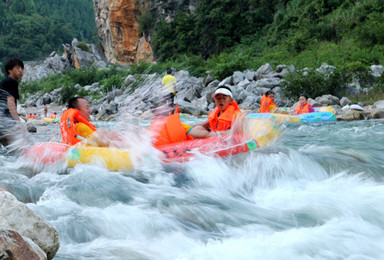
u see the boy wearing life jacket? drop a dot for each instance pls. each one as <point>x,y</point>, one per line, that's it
<point>267,104</point>
<point>303,107</point>
<point>75,124</point>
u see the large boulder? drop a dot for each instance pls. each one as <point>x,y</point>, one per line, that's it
<point>17,216</point>
<point>237,76</point>
<point>379,104</point>
<point>351,115</point>
<point>345,101</point>
<point>377,113</point>
<point>268,83</point>
<point>189,108</point>
<point>264,71</point>
<point>327,100</point>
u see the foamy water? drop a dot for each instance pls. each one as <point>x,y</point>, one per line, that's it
<point>317,193</point>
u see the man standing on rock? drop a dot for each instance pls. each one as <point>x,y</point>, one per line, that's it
<point>9,94</point>
<point>169,83</point>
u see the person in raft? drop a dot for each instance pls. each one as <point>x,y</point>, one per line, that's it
<point>303,107</point>
<point>75,124</point>
<point>170,129</point>
<point>54,115</point>
<point>267,104</point>
<point>222,117</point>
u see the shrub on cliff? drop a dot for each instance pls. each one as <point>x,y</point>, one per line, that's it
<point>313,83</point>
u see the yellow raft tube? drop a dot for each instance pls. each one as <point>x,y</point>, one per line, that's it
<point>260,130</point>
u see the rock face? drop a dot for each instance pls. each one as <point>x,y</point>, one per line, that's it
<point>73,57</point>
<point>118,29</point>
<point>17,216</point>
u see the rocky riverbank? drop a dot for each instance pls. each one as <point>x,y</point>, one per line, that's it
<point>194,94</point>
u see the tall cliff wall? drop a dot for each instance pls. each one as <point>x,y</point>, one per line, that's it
<point>117,26</point>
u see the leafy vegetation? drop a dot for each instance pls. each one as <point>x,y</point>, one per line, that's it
<point>247,33</point>
<point>314,83</point>
<point>31,29</point>
<point>108,79</point>
<point>222,36</point>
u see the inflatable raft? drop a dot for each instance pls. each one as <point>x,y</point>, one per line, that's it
<point>323,114</point>
<point>257,133</point>
<point>51,120</point>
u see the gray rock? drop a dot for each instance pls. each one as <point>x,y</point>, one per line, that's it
<point>243,96</point>
<point>327,100</point>
<point>31,129</point>
<point>351,115</point>
<point>189,108</point>
<point>182,75</point>
<point>243,84</point>
<point>377,113</point>
<point>226,81</point>
<point>268,83</point>
<point>377,70</point>
<point>208,79</point>
<point>237,77</point>
<point>326,69</point>
<point>379,104</point>
<point>345,101</point>
<point>353,89</point>
<point>201,102</point>
<point>250,75</point>
<point>264,70</point>
<point>13,213</point>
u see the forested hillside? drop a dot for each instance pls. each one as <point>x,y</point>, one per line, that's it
<point>240,34</point>
<point>31,29</point>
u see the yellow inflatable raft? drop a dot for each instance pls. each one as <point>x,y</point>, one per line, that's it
<point>257,133</point>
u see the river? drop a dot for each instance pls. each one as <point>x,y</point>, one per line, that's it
<point>317,193</point>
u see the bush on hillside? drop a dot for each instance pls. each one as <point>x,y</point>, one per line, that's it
<point>83,46</point>
<point>313,83</point>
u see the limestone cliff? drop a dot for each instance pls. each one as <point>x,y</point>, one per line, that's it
<point>117,26</point>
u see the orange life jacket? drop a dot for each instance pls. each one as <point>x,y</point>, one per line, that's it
<point>29,116</point>
<point>53,116</point>
<point>224,121</point>
<point>302,109</point>
<point>265,103</point>
<point>168,130</point>
<point>68,120</point>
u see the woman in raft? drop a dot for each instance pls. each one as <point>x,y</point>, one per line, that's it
<point>220,120</point>
<point>267,104</point>
<point>303,107</point>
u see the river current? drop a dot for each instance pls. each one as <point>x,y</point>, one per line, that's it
<point>316,193</point>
